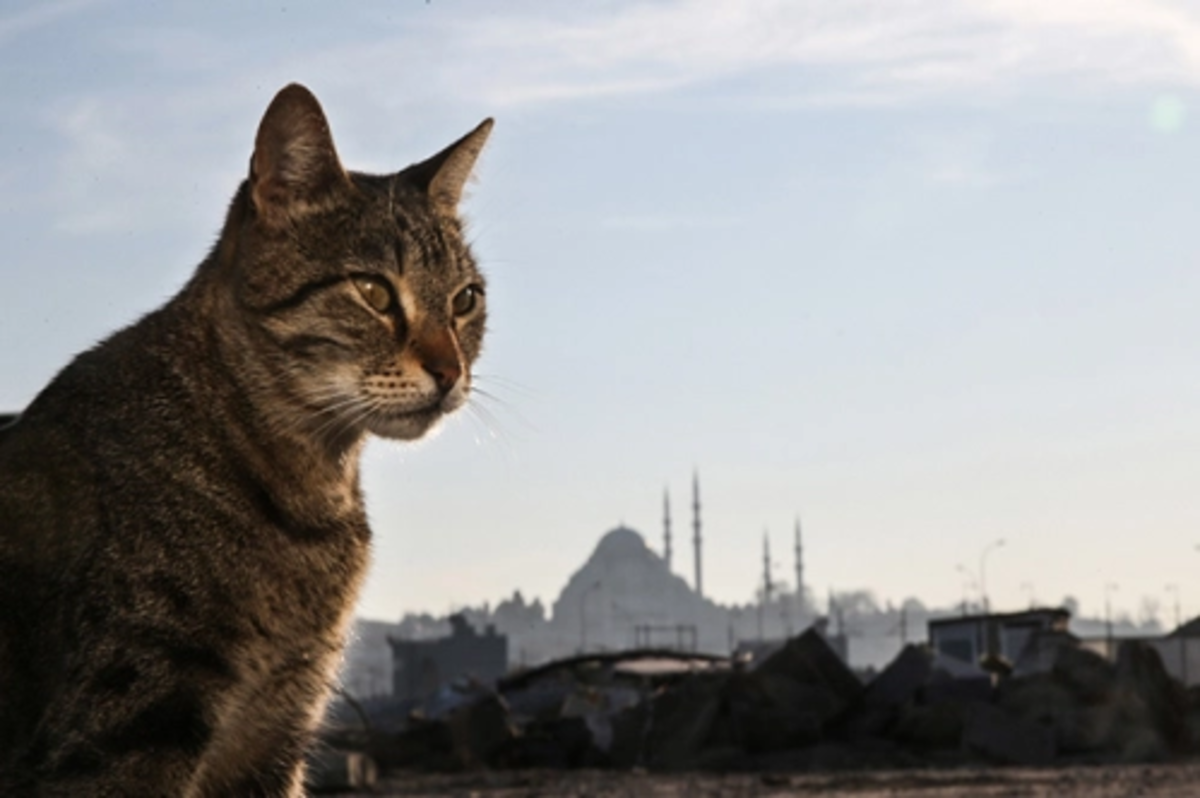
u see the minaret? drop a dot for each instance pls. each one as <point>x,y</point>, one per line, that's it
<point>667,528</point>
<point>799,568</point>
<point>696,528</point>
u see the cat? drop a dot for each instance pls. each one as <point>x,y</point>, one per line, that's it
<point>182,533</point>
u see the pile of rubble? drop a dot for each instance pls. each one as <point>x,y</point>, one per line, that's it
<point>800,708</point>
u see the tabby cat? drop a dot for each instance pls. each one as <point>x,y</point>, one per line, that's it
<point>182,534</point>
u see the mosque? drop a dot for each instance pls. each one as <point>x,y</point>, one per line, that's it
<point>627,596</point>
<point>624,596</point>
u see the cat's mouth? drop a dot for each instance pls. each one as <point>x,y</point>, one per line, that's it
<point>414,422</point>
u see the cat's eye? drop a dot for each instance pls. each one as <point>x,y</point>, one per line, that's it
<point>375,292</point>
<point>466,300</point>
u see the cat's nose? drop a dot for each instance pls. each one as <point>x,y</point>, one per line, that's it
<point>438,354</point>
<point>444,372</point>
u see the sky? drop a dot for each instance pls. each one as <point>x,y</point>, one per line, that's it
<point>922,273</point>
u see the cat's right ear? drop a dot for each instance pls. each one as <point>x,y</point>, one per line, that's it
<point>295,167</point>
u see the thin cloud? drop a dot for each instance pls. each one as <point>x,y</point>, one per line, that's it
<point>914,47</point>
<point>799,52</point>
<point>665,222</point>
<point>39,16</point>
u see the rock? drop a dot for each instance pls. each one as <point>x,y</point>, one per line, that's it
<point>808,659</point>
<point>425,744</point>
<point>597,706</point>
<point>902,680</point>
<point>479,731</point>
<point>1006,738</point>
<point>470,736</point>
<point>930,727</point>
<point>1089,676</point>
<point>557,744</point>
<point>770,712</point>
<point>1140,670</point>
<point>680,722</point>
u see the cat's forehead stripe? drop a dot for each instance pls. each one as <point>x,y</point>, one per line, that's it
<point>408,303</point>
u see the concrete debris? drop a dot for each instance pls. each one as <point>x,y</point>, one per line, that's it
<point>1005,738</point>
<point>330,770</point>
<point>800,708</point>
<point>1141,675</point>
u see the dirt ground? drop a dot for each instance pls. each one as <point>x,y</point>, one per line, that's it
<point>1176,781</point>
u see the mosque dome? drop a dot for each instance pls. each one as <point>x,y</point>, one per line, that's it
<point>622,543</point>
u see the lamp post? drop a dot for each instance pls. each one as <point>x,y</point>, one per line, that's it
<point>1173,589</point>
<point>988,549</point>
<point>1109,588</point>
<point>583,615</point>
<point>968,582</point>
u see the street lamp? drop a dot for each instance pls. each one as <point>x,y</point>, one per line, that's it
<point>968,583</point>
<point>1173,589</point>
<point>1109,588</point>
<point>988,549</point>
<point>583,615</point>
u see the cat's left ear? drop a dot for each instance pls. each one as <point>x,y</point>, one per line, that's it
<point>295,167</point>
<point>444,176</point>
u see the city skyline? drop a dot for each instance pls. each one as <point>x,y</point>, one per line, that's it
<point>765,586</point>
<point>923,274</point>
<point>624,595</point>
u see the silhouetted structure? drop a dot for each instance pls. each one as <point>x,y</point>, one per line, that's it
<point>677,637</point>
<point>972,637</point>
<point>420,667</point>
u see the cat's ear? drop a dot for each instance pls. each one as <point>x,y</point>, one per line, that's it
<point>444,176</point>
<point>295,166</point>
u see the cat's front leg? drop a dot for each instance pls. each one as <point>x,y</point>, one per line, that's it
<point>150,749</point>
<point>276,772</point>
<point>266,731</point>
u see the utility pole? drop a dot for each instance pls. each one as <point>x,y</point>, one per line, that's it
<point>667,528</point>
<point>766,567</point>
<point>766,590</point>
<point>1109,587</point>
<point>1174,590</point>
<point>1183,641</point>
<point>696,529</point>
<point>995,544</point>
<point>799,569</point>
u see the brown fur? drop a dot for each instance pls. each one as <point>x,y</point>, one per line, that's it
<point>182,534</point>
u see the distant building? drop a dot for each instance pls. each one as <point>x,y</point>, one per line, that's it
<point>420,667</point>
<point>625,596</point>
<point>367,665</point>
<point>970,638</point>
